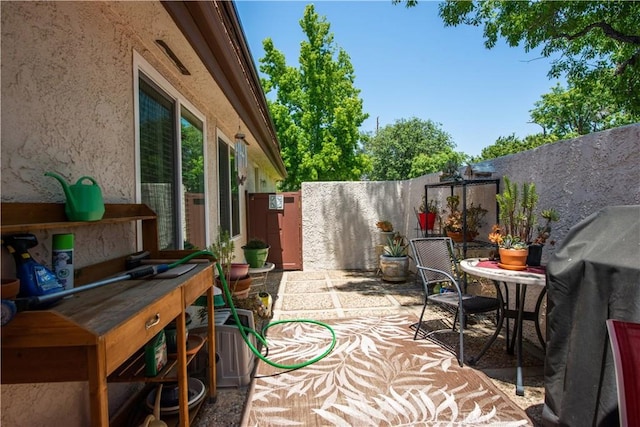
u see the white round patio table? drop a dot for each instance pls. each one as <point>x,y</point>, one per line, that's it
<point>535,276</point>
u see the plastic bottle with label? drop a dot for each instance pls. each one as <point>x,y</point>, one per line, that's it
<point>62,259</point>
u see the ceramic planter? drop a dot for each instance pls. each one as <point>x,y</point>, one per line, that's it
<point>384,236</point>
<point>238,270</point>
<point>394,269</point>
<point>427,220</point>
<point>256,257</point>
<point>239,287</point>
<point>513,259</point>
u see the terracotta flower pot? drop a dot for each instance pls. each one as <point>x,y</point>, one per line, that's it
<point>238,287</point>
<point>238,270</point>
<point>513,259</point>
<point>457,236</point>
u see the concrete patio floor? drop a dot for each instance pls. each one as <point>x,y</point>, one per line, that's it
<point>324,295</point>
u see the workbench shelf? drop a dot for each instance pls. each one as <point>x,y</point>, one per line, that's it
<point>133,370</point>
<point>97,335</point>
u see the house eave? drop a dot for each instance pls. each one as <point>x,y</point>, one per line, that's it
<point>214,32</point>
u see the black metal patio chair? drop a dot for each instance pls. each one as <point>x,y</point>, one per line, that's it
<point>437,264</point>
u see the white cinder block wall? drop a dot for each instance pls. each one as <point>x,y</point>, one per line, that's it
<point>577,177</point>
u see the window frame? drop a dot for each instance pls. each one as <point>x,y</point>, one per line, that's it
<point>223,139</point>
<point>141,66</point>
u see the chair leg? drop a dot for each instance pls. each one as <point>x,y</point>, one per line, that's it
<point>461,356</point>
<point>455,319</point>
<point>419,325</point>
<point>474,360</point>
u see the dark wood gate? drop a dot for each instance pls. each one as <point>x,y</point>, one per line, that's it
<point>277,219</point>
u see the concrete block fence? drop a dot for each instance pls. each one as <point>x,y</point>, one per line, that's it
<point>577,177</point>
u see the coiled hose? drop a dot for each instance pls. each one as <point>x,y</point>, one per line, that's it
<point>244,330</point>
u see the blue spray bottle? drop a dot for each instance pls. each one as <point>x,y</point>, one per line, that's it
<point>35,279</point>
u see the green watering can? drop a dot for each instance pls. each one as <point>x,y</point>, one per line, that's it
<point>84,201</point>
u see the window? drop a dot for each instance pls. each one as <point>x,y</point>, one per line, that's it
<point>229,189</point>
<point>172,165</point>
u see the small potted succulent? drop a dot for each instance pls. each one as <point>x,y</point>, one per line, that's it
<point>256,252</point>
<point>544,231</point>
<point>512,249</point>
<point>386,231</point>
<point>394,261</point>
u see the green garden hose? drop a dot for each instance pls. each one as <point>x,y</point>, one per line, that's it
<point>260,337</point>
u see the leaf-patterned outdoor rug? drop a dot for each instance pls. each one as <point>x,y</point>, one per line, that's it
<point>376,375</point>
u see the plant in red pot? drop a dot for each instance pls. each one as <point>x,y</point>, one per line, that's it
<point>427,214</point>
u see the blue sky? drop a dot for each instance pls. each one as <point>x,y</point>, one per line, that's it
<point>407,64</point>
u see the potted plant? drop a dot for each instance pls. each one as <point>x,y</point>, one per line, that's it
<point>256,252</point>
<point>454,224</point>
<point>517,218</point>
<point>427,214</point>
<point>386,231</point>
<point>394,261</point>
<point>544,231</point>
<point>517,208</point>
<point>236,274</point>
<point>513,251</point>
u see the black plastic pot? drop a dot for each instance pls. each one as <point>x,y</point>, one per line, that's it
<point>535,255</point>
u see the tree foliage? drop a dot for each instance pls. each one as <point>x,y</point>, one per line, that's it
<point>571,112</point>
<point>512,144</point>
<point>597,41</point>
<point>409,148</point>
<point>192,158</point>
<point>317,110</point>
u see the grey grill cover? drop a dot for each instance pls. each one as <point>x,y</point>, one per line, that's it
<point>593,276</point>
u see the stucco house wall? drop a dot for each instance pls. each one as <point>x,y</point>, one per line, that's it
<point>68,106</point>
<point>577,177</point>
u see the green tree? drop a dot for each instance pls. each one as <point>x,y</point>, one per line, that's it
<point>512,144</point>
<point>192,158</point>
<point>317,110</point>
<point>409,148</point>
<point>571,112</point>
<point>597,41</point>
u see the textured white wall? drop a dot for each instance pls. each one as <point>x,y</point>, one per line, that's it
<point>67,106</point>
<point>577,177</point>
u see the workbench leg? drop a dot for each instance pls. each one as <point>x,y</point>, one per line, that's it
<point>98,391</point>
<point>183,380</point>
<point>211,345</point>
